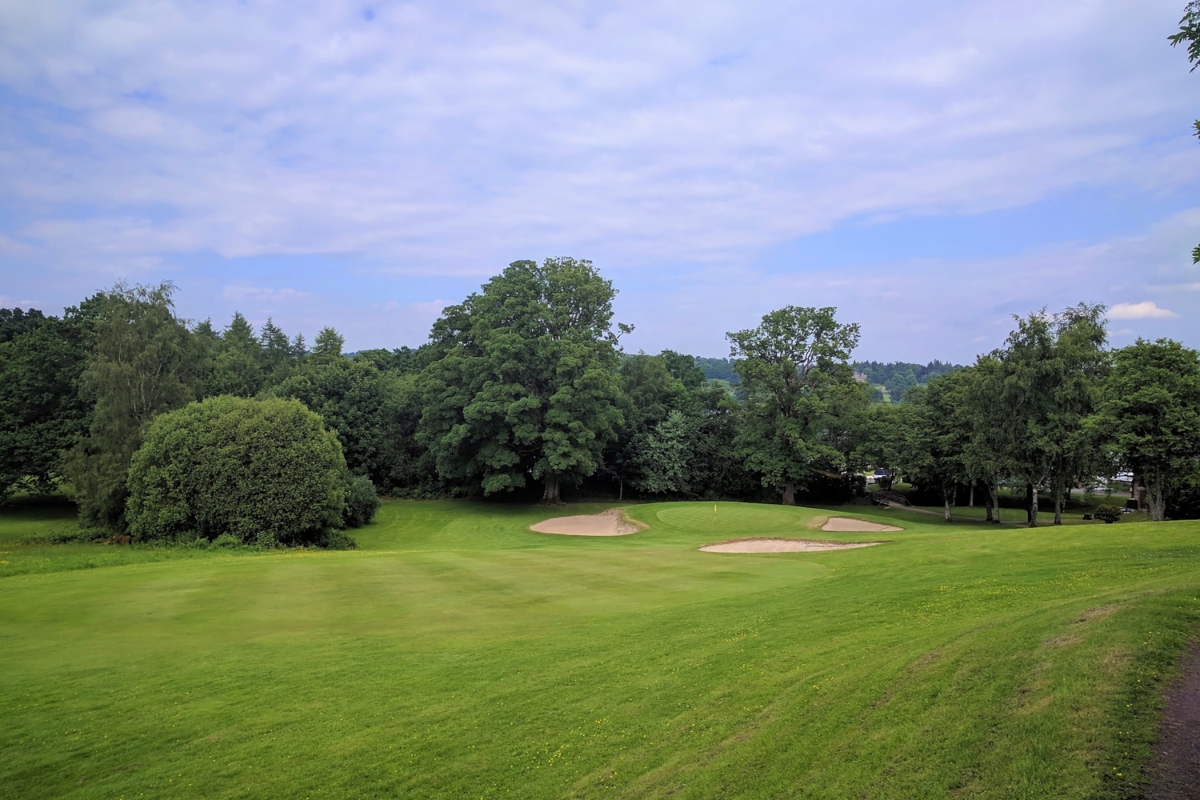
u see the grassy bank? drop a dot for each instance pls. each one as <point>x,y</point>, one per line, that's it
<point>458,654</point>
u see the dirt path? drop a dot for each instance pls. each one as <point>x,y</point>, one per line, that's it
<point>1175,772</point>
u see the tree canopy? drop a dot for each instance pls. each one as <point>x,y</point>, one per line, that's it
<point>790,365</point>
<point>263,471</point>
<point>524,385</point>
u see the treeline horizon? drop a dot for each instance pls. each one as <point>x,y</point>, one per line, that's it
<point>523,390</point>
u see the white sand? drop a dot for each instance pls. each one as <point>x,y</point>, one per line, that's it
<point>781,546</point>
<point>607,523</point>
<point>848,524</point>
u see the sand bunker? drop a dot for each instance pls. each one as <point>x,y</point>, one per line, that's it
<point>781,546</point>
<point>607,523</point>
<point>848,524</point>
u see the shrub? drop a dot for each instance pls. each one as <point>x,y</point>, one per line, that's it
<point>338,540</point>
<point>226,540</point>
<point>361,501</point>
<point>1109,514</point>
<point>263,472</point>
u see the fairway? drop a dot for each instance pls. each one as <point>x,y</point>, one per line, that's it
<point>459,654</point>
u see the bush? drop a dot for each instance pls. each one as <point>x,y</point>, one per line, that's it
<point>338,540</point>
<point>261,472</point>
<point>226,540</point>
<point>361,501</point>
<point>1109,514</point>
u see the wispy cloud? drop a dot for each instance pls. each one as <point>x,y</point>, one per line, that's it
<point>263,294</point>
<point>432,143</point>
<point>451,139</point>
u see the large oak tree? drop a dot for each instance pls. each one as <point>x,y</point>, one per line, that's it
<point>525,387</point>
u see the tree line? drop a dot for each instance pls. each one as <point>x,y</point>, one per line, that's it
<point>523,391</point>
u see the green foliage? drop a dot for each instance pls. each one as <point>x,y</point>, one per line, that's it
<point>900,376</point>
<point>361,501</point>
<point>328,347</point>
<point>1107,513</point>
<point>374,414</point>
<point>665,455</point>
<point>15,321</point>
<point>237,361</point>
<point>1189,33</point>
<point>524,383</point>
<point>42,414</point>
<point>266,472</point>
<point>793,366</point>
<point>684,368</point>
<point>144,361</point>
<point>935,433</point>
<point>719,369</point>
<point>227,541</point>
<point>1048,376</point>
<point>337,540</point>
<point>1150,415</point>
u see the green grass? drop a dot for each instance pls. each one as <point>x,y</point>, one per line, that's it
<point>457,654</point>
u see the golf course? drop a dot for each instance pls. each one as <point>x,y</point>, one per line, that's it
<point>457,653</point>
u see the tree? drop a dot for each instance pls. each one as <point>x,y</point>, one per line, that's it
<point>985,456</point>
<point>789,364</point>
<point>524,383</point>
<point>144,362</point>
<point>237,361</point>
<point>649,393</point>
<point>665,455</point>
<point>935,435</point>
<point>1150,415</point>
<point>15,321</point>
<point>369,410</point>
<point>328,347</point>
<point>41,413</point>
<point>1189,32</point>
<point>1048,376</point>
<point>684,368</point>
<point>264,471</point>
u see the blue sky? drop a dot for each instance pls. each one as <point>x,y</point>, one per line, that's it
<point>930,168</point>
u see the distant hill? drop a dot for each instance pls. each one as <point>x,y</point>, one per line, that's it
<point>718,369</point>
<point>898,377</point>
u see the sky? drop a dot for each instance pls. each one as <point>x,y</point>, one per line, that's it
<point>930,168</point>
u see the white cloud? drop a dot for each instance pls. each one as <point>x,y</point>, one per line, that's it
<point>1144,310</point>
<point>449,139</point>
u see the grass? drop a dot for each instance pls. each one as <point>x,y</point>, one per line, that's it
<point>457,654</point>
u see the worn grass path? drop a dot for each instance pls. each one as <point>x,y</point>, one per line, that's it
<point>457,654</point>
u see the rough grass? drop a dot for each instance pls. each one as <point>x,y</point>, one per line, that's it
<point>457,654</point>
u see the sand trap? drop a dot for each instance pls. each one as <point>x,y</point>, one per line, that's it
<point>781,546</point>
<point>606,523</point>
<point>848,524</point>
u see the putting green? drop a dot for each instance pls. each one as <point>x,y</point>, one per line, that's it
<point>458,654</point>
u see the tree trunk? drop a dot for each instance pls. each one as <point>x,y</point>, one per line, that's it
<point>971,502</point>
<point>994,491</point>
<point>1030,496</point>
<point>789,494</point>
<point>988,505</point>
<point>948,498</point>
<point>1157,496</point>
<point>551,493</point>
<point>621,493</point>
<point>1033,505</point>
<point>1058,502</point>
